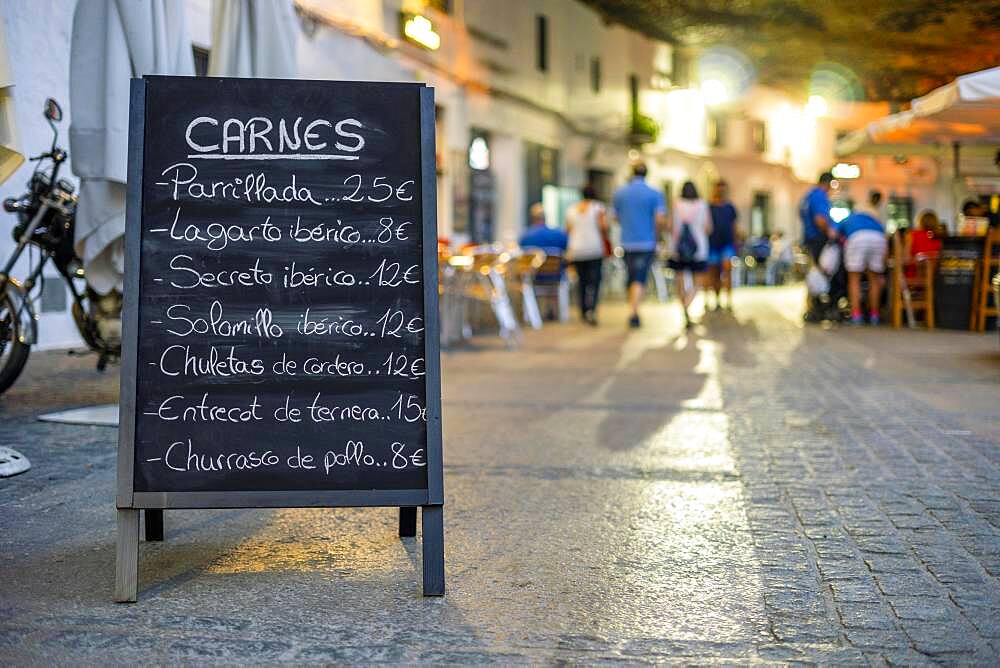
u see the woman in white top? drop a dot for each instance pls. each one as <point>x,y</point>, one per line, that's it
<point>586,225</point>
<point>690,225</point>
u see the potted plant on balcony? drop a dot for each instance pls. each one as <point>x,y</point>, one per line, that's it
<point>642,130</point>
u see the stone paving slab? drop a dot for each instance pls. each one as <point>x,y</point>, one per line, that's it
<point>750,492</point>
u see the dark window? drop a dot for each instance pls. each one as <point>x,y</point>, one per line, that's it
<point>595,74</point>
<point>633,93</point>
<point>541,169</point>
<point>760,215</point>
<point>200,61</point>
<point>716,130</point>
<point>542,42</point>
<point>758,136</point>
<point>603,183</point>
<point>443,6</point>
<point>680,69</point>
<point>898,212</point>
<point>482,188</point>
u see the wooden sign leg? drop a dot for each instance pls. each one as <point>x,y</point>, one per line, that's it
<point>127,556</point>
<point>407,521</point>
<point>154,524</point>
<point>433,543</point>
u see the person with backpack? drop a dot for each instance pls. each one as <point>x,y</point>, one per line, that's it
<point>690,226</point>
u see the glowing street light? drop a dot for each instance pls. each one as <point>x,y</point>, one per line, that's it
<point>817,106</point>
<point>420,30</point>
<point>724,74</point>
<point>714,92</point>
<point>846,170</point>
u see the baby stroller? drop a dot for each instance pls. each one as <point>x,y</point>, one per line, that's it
<point>827,286</point>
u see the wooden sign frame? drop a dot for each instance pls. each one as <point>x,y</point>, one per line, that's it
<point>129,502</point>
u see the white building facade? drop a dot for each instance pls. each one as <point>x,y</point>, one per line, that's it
<point>535,99</point>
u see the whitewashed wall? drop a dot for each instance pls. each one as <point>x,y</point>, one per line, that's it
<point>37,40</point>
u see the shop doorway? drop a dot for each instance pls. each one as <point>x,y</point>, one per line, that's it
<point>603,182</point>
<point>898,213</point>
<point>760,215</point>
<point>541,169</point>
<point>482,188</point>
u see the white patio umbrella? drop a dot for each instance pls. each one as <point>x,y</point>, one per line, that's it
<point>966,111</point>
<point>253,38</point>
<point>112,41</point>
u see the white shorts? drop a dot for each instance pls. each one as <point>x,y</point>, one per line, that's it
<point>865,251</point>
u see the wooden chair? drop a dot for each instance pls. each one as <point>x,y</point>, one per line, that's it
<point>522,279</point>
<point>988,267</point>
<point>551,282</point>
<point>911,295</point>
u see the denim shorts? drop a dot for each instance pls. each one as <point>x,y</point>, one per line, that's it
<point>716,256</point>
<point>637,263</point>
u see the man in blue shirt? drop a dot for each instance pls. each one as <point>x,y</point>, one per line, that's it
<point>721,243</point>
<point>864,251</point>
<point>539,235</point>
<point>641,211</point>
<point>550,239</point>
<point>814,211</point>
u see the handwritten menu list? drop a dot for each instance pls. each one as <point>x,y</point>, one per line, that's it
<point>281,336</point>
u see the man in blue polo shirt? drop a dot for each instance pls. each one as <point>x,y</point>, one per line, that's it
<point>641,211</point>
<point>814,211</point>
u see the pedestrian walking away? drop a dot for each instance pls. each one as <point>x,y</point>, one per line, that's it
<point>864,252</point>
<point>641,211</point>
<point>722,244</point>
<point>690,226</point>
<point>587,225</point>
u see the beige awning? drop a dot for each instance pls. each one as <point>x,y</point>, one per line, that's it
<point>967,111</point>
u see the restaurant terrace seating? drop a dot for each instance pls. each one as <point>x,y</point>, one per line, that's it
<point>914,295</point>
<point>990,265</point>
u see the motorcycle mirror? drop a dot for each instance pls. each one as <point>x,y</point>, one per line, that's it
<point>53,111</point>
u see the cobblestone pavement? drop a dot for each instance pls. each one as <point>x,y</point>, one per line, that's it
<point>754,491</point>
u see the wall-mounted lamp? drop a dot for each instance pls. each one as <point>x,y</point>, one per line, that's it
<point>846,170</point>
<point>420,30</point>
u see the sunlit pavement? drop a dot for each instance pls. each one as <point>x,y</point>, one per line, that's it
<point>754,490</point>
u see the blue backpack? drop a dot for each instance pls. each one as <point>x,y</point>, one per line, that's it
<point>687,245</point>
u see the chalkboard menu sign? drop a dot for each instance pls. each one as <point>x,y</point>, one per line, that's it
<point>280,341</point>
<point>955,282</point>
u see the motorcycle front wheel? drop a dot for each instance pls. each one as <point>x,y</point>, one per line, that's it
<point>13,351</point>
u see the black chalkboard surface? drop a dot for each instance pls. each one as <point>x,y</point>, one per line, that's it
<point>280,341</point>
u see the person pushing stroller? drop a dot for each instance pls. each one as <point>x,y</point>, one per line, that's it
<point>819,229</point>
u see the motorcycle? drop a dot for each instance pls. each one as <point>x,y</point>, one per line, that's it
<point>46,223</point>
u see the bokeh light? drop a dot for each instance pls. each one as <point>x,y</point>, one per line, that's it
<point>715,92</point>
<point>835,83</point>
<point>724,74</point>
<point>817,105</point>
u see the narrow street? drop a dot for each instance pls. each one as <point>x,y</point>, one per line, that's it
<point>755,490</point>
